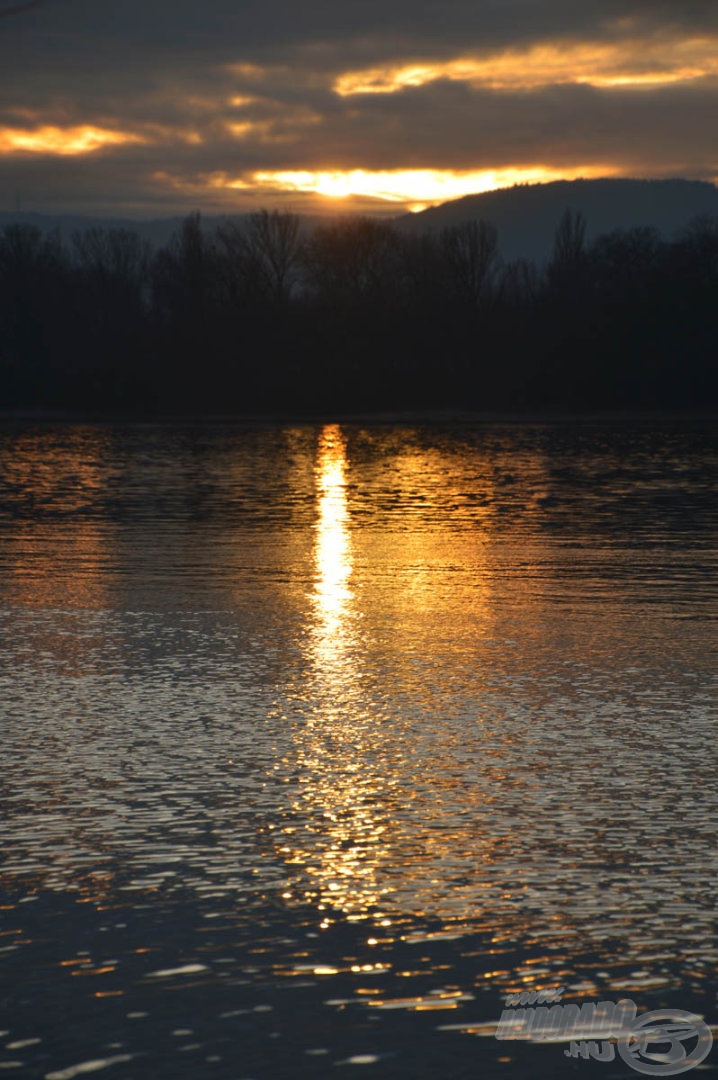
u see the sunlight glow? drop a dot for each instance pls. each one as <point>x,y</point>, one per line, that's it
<point>62,141</point>
<point>417,187</point>
<point>621,64</point>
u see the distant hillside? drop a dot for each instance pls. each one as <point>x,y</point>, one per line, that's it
<point>157,232</point>
<point>526,216</point>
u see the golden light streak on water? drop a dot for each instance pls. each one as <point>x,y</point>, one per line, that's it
<point>344,793</point>
<point>354,758</point>
<point>332,552</point>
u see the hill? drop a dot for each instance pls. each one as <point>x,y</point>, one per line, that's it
<point>526,216</point>
<point>156,232</point>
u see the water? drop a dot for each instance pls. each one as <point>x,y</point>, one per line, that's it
<point>319,740</point>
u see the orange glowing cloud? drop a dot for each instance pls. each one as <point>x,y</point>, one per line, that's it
<point>398,189</point>
<point>606,65</point>
<point>416,188</point>
<point>277,130</point>
<point>62,141</point>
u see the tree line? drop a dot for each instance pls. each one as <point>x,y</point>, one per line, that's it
<point>264,316</point>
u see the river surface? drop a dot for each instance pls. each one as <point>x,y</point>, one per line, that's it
<point>318,740</point>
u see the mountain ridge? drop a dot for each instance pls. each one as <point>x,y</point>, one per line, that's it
<point>526,215</point>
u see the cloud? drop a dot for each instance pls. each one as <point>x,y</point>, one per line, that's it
<point>628,63</point>
<point>229,102</point>
<point>17,9</point>
<point>49,141</point>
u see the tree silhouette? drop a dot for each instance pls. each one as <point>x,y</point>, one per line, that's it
<point>111,275</point>
<point>354,260</point>
<point>35,305</point>
<point>569,251</point>
<point>242,282</point>
<point>470,254</point>
<point>275,245</point>
<point>255,316</point>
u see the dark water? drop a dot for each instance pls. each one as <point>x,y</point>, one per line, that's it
<point>317,741</point>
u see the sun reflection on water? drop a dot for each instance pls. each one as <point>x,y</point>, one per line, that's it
<point>462,691</point>
<point>343,796</point>
<point>332,552</point>
<point>397,802</point>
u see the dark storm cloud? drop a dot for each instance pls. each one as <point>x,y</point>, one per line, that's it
<point>225,89</point>
<point>61,34</point>
<point>16,9</point>
<point>566,124</point>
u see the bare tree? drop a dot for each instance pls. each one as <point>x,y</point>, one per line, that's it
<point>354,259</point>
<point>183,274</point>
<point>242,278</point>
<point>519,285</point>
<point>112,255</point>
<point>470,253</point>
<point>274,240</point>
<point>569,250</point>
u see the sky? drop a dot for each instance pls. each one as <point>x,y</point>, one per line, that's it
<point>150,108</point>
